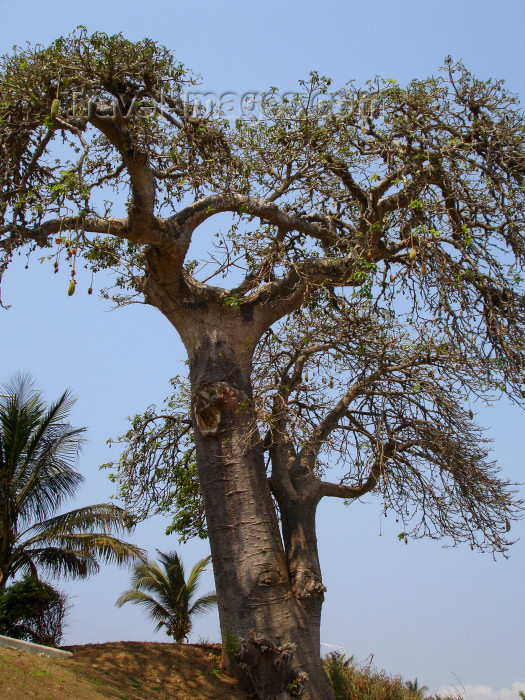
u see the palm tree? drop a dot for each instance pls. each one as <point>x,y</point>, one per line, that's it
<point>418,690</point>
<point>38,452</point>
<point>170,602</point>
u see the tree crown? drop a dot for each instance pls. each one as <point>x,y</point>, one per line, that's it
<point>376,232</point>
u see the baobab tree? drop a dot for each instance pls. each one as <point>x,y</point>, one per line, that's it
<point>375,241</point>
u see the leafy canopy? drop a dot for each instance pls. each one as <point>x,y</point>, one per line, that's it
<point>33,610</point>
<point>388,214</point>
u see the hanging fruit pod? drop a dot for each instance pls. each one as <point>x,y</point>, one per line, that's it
<point>55,106</point>
<point>413,254</point>
<point>71,288</point>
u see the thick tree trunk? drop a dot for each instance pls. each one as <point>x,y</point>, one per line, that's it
<point>265,628</point>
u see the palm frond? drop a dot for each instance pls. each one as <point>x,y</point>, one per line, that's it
<point>104,548</point>
<point>17,421</point>
<point>172,565</point>
<point>152,607</point>
<point>38,454</point>
<point>48,475</point>
<point>39,450</point>
<point>56,561</point>
<point>148,576</point>
<point>105,518</point>
<point>50,423</point>
<point>46,491</point>
<point>175,592</point>
<point>195,574</point>
<point>203,604</point>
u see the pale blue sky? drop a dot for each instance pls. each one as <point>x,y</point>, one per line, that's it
<point>438,614</point>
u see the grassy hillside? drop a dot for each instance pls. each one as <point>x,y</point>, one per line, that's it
<point>150,671</point>
<point>125,670</point>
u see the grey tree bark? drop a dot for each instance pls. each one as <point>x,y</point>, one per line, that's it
<point>270,630</point>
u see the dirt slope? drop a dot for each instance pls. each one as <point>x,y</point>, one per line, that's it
<point>126,670</point>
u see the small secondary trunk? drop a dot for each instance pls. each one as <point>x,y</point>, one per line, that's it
<point>300,542</point>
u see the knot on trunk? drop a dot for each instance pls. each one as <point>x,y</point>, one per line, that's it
<point>206,409</point>
<point>307,585</point>
<point>271,577</point>
<point>218,406</point>
<point>267,667</point>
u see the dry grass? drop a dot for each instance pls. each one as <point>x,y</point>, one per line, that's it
<point>353,682</point>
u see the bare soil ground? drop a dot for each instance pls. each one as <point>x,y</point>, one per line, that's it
<point>125,670</point>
